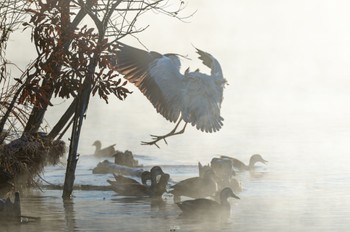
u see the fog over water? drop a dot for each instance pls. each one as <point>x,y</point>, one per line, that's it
<point>288,68</point>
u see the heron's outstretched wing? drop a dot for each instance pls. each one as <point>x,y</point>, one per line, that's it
<point>202,102</point>
<point>157,76</point>
<point>216,71</point>
<point>203,95</point>
<point>209,61</point>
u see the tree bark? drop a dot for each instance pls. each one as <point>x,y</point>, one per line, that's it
<point>73,156</point>
<point>62,122</point>
<point>81,107</point>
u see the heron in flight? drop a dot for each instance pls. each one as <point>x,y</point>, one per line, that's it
<point>192,97</point>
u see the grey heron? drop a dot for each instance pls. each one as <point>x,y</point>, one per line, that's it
<point>192,97</point>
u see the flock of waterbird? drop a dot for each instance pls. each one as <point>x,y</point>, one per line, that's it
<point>209,191</point>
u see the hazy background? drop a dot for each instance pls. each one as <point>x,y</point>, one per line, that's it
<point>286,62</point>
<point>287,65</point>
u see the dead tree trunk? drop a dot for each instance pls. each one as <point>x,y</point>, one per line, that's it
<point>63,120</point>
<point>81,106</point>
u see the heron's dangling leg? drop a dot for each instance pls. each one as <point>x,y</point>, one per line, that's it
<point>173,132</point>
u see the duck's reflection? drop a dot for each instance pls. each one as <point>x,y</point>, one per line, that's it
<point>259,172</point>
<point>128,200</point>
<point>155,203</point>
<point>158,204</point>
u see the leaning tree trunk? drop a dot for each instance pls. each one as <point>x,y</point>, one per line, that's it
<point>83,101</point>
<point>82,104</point>
<point>37,116</point>
<point>62,122</point>
<point>81,107</point>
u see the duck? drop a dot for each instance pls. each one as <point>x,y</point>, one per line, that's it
<point>202,207</point>
<point>240,166</point>
<point>138,190</point>
<point>222,167</point>
<point>119,179</point>
<point>129,187</point>
<point>202,169</point>
<point>9,209</point>
<point>160,187</point>
<point>103,152</point>
<point>195,187</point>
<point>225,175</point>
<point>125,158</point>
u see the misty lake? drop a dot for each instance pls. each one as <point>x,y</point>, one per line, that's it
<point>303,187</point>
<point>287,65</point>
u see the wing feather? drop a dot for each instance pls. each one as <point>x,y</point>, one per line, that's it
<point>203,102</point>
<point>197,96</point>
<point>209,61</point>
<point>157,76</point>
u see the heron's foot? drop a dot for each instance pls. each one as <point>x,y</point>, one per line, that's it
<point>156,139</point>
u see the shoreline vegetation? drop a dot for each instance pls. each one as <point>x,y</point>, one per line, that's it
<point>23,159</point>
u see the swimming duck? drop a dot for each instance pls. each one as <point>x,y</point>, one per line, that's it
<point>156,189</point>
<point>160,187</point>
<point>138,190</point>
<point>119,179</point>
<point>202,169</point>
<point>9,209</point>
<point>125,158</point>
<point>222,167</point>
<point>195,187</point>
<point>241,166</point>
<point>103,152</point>
<point>208,208</point>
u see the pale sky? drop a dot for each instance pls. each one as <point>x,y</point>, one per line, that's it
<point>283,59</point>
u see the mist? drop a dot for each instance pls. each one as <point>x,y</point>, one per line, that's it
<point>287,66</point>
